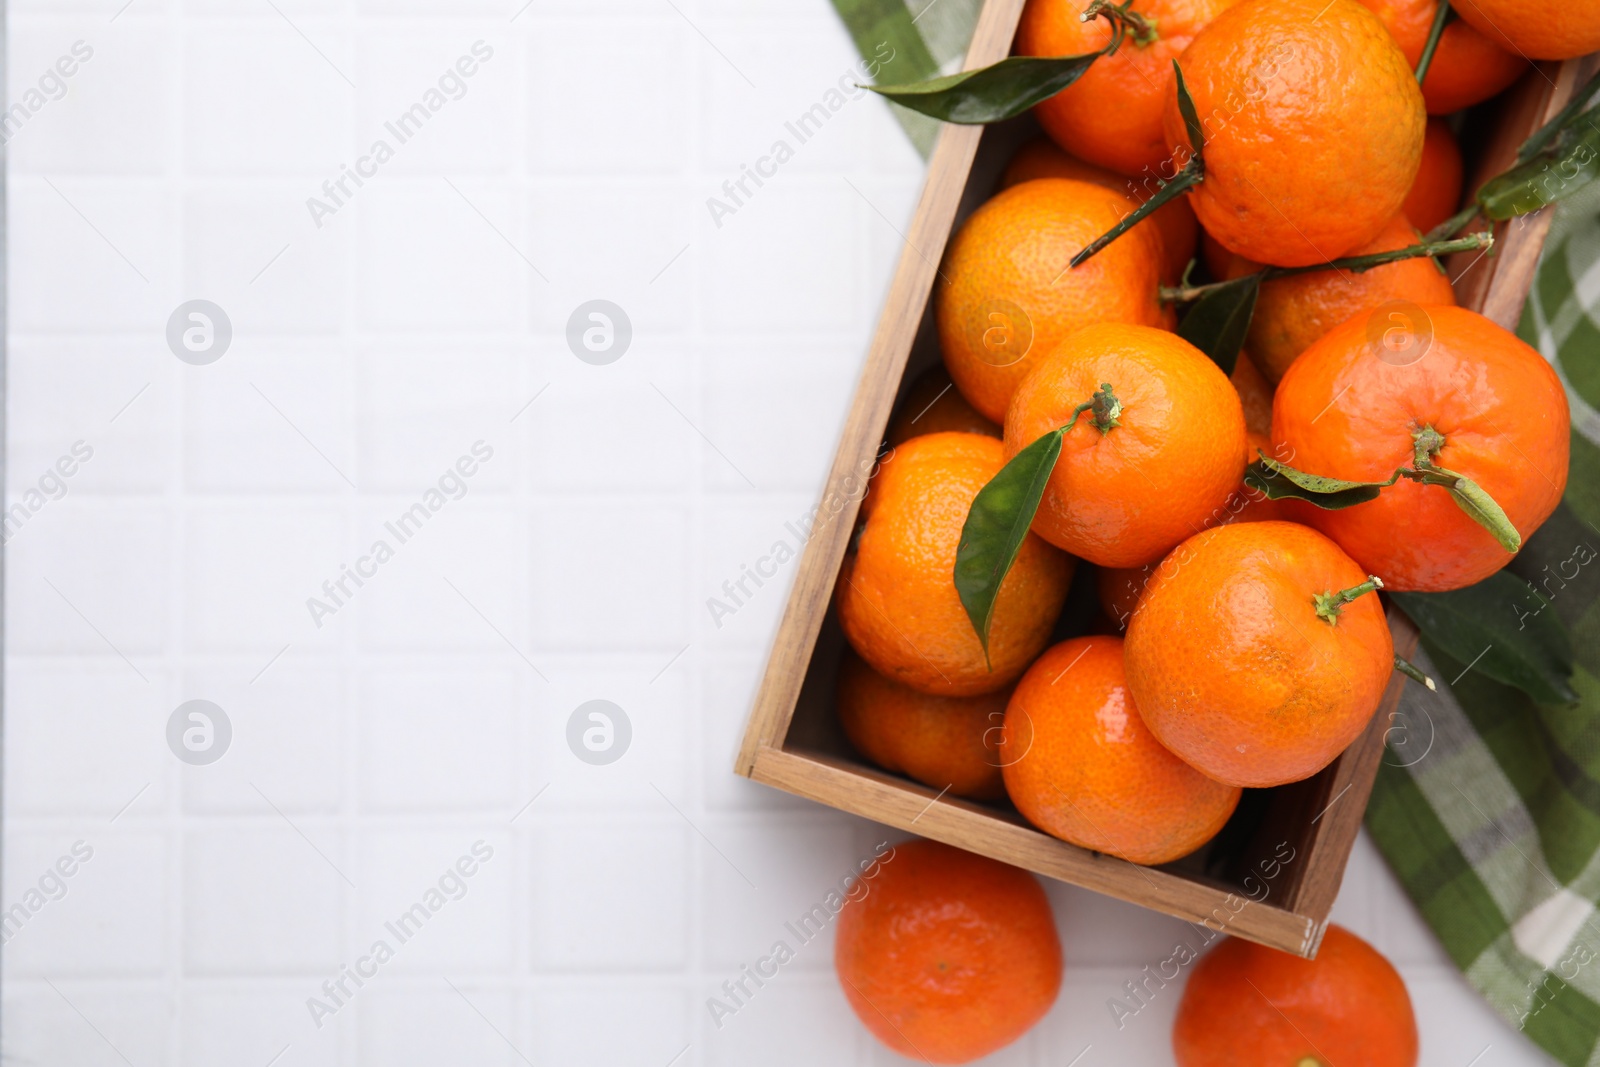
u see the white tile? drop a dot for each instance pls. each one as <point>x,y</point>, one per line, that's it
<point>262,901</point>
<point>232,1022</point>
<point>453,583</point>
<point>654,696</point>
<point>794,868</point>
<point>614,427</point>
<point>441,899</point>
<point>751,553</point>
<point>288,740</point>
<point>796,1020</point>
<point>774,264</point>
<point>249,571</point>
<point>109,115</point>
<point>89,580</point>
<point>431,261</point>
<point>1100,931</point>
<point>633,120</point>
<point>81,888</point>
<point>764,410</point>
<point>439,740</point>
<point>101,257</point>
<point>111,395</point>
<point>729,691</point>
<point>263,101</point>
<point>436,1024</point>
<point>609,577</point>
<point>85,1023</point>
<point>421,413</point>
<point>84,740</point>
<point>610,895</point>
<point>249,252</point>
<point>577,1024</point>
<point>273,420</point>
<point>466,81</point>
<point>631,243</point>
<point>1456,1025</point>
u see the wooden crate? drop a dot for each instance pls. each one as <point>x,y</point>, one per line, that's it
<point>1241,882</point>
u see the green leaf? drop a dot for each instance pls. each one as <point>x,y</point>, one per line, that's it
<point>1501,628</point>
<point>996,526</point>
<point>1280,481</point>
<point>990,94</point>
<point>1568,162</point>
<point>1471,498</point>
<point>1218,322</point>
<point>1191,119</point>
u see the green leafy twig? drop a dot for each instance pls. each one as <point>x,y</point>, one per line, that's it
<point>1003,511</point>
<point>1006,89</point>
<point>1279,480</point>
<point>1353,264</point>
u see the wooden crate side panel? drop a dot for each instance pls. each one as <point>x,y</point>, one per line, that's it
<point>921,811</point>
<point>874,398</point>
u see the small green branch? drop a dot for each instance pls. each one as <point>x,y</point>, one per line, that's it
<point>1410,670</point>
<point>1435,31</point>
<point>1354,264</point>
<point>1454,224</point>
<point>1192,174</point>
<point>1330,604</point>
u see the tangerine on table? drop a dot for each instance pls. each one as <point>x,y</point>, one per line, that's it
<point>1080,763</point>
<point>1487,405</point>
<point>1467,67</point>
<point>948,743</point>
<point>934,405</point>
<point>1111,116</point>
<point>1247,1005</point>
<point>1293,312</point>
<point>1151,463</point>
<point>1436,193</point>
<point>1007,298</point>
<point>1535,29</point>
<point>1258,653</point>
<point>896,592</point>
<point>1043,158</point>
<point>1313,128</point>
<point>949,956</point>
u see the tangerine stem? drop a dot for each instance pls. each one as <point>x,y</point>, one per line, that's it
<point>1106,407</point>
<point>1412,671</point>
<point>1330,604</point>
<point>1141,27</point>
<point>1440,17</point>
<point>1353,264</point>
<point>1192,174</point>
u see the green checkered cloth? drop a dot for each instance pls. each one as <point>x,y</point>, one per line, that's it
<point>1487,805</point>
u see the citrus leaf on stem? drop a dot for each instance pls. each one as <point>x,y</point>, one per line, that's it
<point>993,93</point>
<point>1487,628</point>
<point>1219,320</point>
<point>1471,498</point>
<point>996,525</point>
<point>1280,481</point>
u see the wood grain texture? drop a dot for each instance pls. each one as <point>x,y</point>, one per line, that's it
<point>922,811</point>
<point>874,399</point>
<point>1496,285</point>
<point>1317,819</point>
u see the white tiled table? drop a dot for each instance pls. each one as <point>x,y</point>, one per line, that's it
<point>370,753</point>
